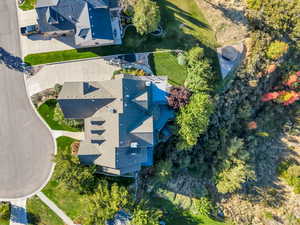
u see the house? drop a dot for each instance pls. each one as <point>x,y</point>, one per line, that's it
<point>89,22</point>
<point>122,120</point>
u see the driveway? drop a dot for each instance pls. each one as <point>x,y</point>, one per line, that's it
<point>27,145</point>
<point>37,43</point>
<point>81,70</point>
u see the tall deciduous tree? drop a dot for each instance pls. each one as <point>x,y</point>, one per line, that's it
<point>105,203</point>
<point>193,119</point>
<point>146,16</point>
<point>142,216</point>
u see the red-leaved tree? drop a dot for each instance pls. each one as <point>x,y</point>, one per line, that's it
<point>179,96</point>
<point>288,96</point>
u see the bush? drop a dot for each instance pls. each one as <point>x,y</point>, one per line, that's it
<point>204,206</point>
<point>277,49</point>
<point>193,119</point>
<point>142,215</point>
<point>4,210</point>
<point>231,180</point>
<point>292,177</point>
<point>194,55</point>
<point>200,76</point>
<point>179,97</point>
<point>254,4</point>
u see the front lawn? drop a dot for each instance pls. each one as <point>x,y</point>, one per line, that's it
<point>182,21</point>
<point>28,5</point>
<point>72,203</point>
<point>47,109</point>
<point>165,63</point>
<point>39,213</point>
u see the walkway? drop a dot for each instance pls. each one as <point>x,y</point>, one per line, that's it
<point>75,135</point>
<point>55,209</point>
<point>18,215</point>
<point>80,70</point>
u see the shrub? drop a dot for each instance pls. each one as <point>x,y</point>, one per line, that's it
<point>254,4</point>
<point>193,119</point>
<point>179,97</point>
<point>4,210</point>
<point>200,76</point>
<point>194,55</point>
<point>204,206</point>
<point>163,171</point>
<point>231,180</point>
<point>277,49</point>
<point>142,215</point>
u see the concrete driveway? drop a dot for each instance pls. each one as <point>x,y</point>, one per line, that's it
<point>38,43</point>
<point>27,146</point>
<point>81,70</point>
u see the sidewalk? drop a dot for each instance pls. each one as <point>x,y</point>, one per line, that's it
<point>18,215</point>
<point>55,209</point>
<point>75,135</point>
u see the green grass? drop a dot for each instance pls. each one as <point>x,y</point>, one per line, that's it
<point>4,221</point>
<point>165,63</point>
<point>38,213</point>
<point>28,5</point>
<point>173,14</point>
<point>46,110</point>
<point>175,216</point>
<point>72,203</point>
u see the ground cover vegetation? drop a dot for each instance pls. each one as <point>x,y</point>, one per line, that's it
<point>52,114</point>
<point>166,64</point>
<point>183,25</point>
<point>38,213</point>
<point>233,162</point>
<point>27,5</point>
<point>4,213</point>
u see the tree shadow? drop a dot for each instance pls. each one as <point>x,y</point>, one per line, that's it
<point>173,214</point>
<point>234,15</point>
<point>33,219</point>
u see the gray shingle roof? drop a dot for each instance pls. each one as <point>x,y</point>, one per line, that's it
<point>89,19</point>
<point>120,117</point>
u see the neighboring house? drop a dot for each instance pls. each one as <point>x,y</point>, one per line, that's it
<point>90,22</point>
<point>122,117</point>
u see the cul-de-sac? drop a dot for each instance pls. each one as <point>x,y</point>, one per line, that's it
<point>149,112</point>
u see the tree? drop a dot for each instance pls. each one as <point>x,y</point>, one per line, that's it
<point>194,55</point>
<point>277,49</point>
<point>146,16</point>
<point>145,216</point>
<point>193,119</point>
<point>179,97</point>
<point>231,179</point>
<point>72,174</point>
<point>200,76</point>
<point>105,203</point>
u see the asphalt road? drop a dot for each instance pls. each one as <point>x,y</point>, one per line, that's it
<point>26,144</point>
